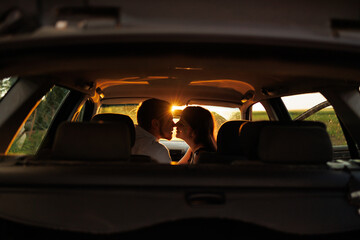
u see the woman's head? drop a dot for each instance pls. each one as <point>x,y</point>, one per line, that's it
<point>197,124</point>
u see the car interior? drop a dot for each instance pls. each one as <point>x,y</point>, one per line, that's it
<point>286,109</point>
<point>277,161</point>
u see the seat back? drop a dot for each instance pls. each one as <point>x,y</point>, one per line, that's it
<point>228,149</point>
<point>290,142</point>
<point>93,141</point>
<point>115,117</point>
<point>228,137</point>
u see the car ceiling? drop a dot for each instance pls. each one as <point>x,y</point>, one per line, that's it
<point>203,71</point>
<point>322,19</point>
<point>226,80</point>
<point>194,62</point>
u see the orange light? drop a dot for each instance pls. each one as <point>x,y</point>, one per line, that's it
<point>188,68</point>
<point>174,108</point>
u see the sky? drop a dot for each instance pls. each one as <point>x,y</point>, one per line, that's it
<point>296,102</point>
<point>303,101</point>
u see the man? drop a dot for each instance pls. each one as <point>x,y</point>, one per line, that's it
<point>155,121</point>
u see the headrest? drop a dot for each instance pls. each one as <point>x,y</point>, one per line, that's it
<point>228,137</point>
<point>92,141</point>
<point>290,142</point>
<point>115,117</point>
<point>300,144</point>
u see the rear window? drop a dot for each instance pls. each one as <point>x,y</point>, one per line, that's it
<point>314,107</point>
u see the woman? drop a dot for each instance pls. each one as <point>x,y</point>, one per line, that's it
<point>196,128</point>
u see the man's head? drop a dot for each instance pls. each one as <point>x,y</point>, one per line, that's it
<point>154,115</point>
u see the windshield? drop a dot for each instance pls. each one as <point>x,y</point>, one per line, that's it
<point>221,114</point>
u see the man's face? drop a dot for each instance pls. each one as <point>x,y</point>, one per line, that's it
<point>166,127</point>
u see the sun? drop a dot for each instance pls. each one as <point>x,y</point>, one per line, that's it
<point>175,107</point>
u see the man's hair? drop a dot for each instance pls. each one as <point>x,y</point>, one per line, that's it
<point>152,109</point>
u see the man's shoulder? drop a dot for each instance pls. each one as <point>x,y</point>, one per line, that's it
<point>160,146</point>
<point>146,144</point>
<point>161,152</point>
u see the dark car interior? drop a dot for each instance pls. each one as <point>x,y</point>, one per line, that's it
<point>261,168</point>
<point>67,124</point>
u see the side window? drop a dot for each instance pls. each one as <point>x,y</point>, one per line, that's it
<point>32,132</point>
<point>314,107</point>
<point>5,85</point>
<point>259,113</point>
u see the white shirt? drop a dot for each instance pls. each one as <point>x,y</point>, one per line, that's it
<point>147,144</point>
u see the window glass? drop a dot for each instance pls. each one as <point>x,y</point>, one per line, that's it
<point>34,129</point>
<point>314,107</point>
<point>221,114</point>
<point>259,113</point>
<point>5,85</point>
<point>126,109</point>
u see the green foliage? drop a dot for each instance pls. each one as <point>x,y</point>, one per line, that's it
<point>260,116</point>
<point>27,143</point>
<point>326,116</point>
<point>235,116</point>
<point>219,120</point>
<point>331,121</point>
<point>33,131</point>
<point>47,108</point>
<point>126,109</point>
<point>5,85</point>
<point>256,116</point>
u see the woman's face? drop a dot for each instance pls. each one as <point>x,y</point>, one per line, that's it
<point>183,130</point>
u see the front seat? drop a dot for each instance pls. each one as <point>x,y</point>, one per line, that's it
<point>93,141</point>
<point>115,117</point>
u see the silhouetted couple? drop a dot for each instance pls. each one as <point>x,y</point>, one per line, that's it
<point>155,121</point>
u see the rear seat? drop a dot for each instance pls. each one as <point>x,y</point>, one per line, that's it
<point>290,142</point>
<point>227,145</point>
<point>304,142</point>
<point>228,137</point>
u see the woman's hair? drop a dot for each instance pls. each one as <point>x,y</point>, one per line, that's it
<point>203,124</point>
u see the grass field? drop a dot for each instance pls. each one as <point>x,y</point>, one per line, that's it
<point>326,116</point>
